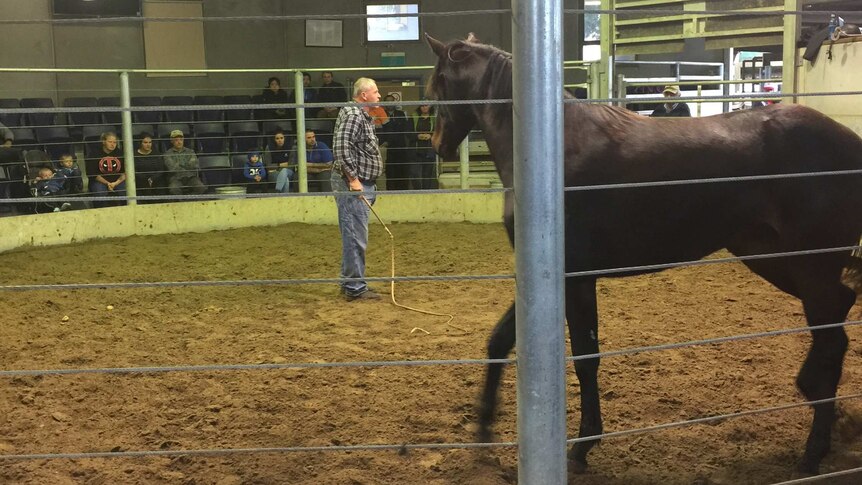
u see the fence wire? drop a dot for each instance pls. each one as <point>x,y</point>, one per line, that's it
<point>410,446</point>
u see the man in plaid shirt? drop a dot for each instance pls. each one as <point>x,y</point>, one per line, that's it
<point>357,165</point>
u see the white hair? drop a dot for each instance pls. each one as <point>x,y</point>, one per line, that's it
<point>362,84</point>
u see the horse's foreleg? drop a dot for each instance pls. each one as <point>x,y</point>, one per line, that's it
<point>499,345</point>
<point>582,318</point>
<point>821,371</point>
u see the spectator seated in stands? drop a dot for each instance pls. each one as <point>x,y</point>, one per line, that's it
<point>106,171</point>
<point>182,167</point>
<point>273,94</point>
<point>310,96</point>
<point>149,168</point>
<point>277,158</point>
<point>47,183</point>
<point>330,91</point>
<point>318,158</point>
<point>254,172</point>
<point>69,169</point>
<point>6,136</point>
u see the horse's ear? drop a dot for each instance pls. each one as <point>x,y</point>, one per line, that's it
<point>435,45</point>
<point>471,37</point>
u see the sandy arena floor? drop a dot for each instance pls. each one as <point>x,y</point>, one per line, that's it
<point>379,405</point>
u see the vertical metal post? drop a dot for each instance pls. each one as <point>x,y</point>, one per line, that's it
<point>622,90</point>
<point>606,40</point>
<point>301,159</point>
<point>726,74</point>
<point>699,94</point>
<point>792,25</point>
<point>537,41</point>
<point>464,169</point>
<point>128,140</point>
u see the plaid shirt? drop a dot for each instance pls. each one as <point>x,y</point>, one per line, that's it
<point>357,153</point>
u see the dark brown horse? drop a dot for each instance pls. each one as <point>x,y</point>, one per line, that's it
<point>627,227</point>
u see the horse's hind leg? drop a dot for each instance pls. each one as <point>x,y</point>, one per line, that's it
<point>825,301</point>
<point>582,319</point>
<point>816,280</point>
<point>499,345</point>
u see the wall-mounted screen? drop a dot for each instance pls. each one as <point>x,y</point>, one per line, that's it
<point>97,8</point>
<point>395,28</point>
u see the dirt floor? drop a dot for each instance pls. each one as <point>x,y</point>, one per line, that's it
<point>378,405</point>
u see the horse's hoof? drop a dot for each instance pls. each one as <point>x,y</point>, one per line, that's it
<point>808,468</point>
<point>484,434</point>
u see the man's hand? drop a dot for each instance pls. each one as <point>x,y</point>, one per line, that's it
<point>7,144</point>
<point>424,136</point>
<point>356,185</point>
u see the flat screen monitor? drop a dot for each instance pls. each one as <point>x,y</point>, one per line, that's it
<point>97,8</point>
<point>396,28</point>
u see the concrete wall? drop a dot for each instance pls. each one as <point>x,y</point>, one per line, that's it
<point>842,73</point>
<point>177,218</point>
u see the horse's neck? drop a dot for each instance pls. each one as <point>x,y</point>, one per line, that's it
<point>498,135</point>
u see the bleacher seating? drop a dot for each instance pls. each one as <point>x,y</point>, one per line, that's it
<point>184,116</point>
<point>146,116</point>
<point>209,114</point>
<point>25,138</point>
<point>216,170</point>
<point>240,114</point>
<point>237,162</point>
<point>10,119</point>
<point>113,117</point>
<point>55,139</point>
<point>270,127</point>
<point>211,139</point>
<point>244,136</point>
<point>78,119</point>
<point>38,119</point>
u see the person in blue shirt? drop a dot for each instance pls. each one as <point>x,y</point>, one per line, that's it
<point>68,168</point>
<point>255,173</point>
<point>319,158</point>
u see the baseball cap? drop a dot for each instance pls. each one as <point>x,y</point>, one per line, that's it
<point>176,133</point>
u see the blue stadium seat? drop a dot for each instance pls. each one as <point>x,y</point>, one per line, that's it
<point>185,116</point>
<point>146,116</point>
<point>25,138</point>
<point>215,169</point>
<point>77,119</point>
<point>56,140</point>
<point>270,127</point>
<point>113,117</point>
<point>10,119</point>
<point>209,114</point>
<point>241,114</point>
<point>244,136</point>
<point>38,119</point>
<point>211,139</point>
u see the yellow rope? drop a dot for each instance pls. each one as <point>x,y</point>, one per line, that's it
<point>392,283</point>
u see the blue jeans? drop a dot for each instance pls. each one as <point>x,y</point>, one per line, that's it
<point>100,189</point>
<point>282,182</point>
<point>353,224</point>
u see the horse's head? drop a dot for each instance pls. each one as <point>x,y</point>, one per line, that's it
<point>455,77</point>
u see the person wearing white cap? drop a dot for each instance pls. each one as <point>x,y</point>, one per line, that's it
<point>182,166</point>
<point>672,108</point>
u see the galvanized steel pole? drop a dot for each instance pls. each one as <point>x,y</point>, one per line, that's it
<point>302,167</point>
<point>537,41</point>
<point>128,140</point>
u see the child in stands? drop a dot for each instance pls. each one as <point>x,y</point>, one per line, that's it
<point>70,170</point>
<point>255,173</point>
